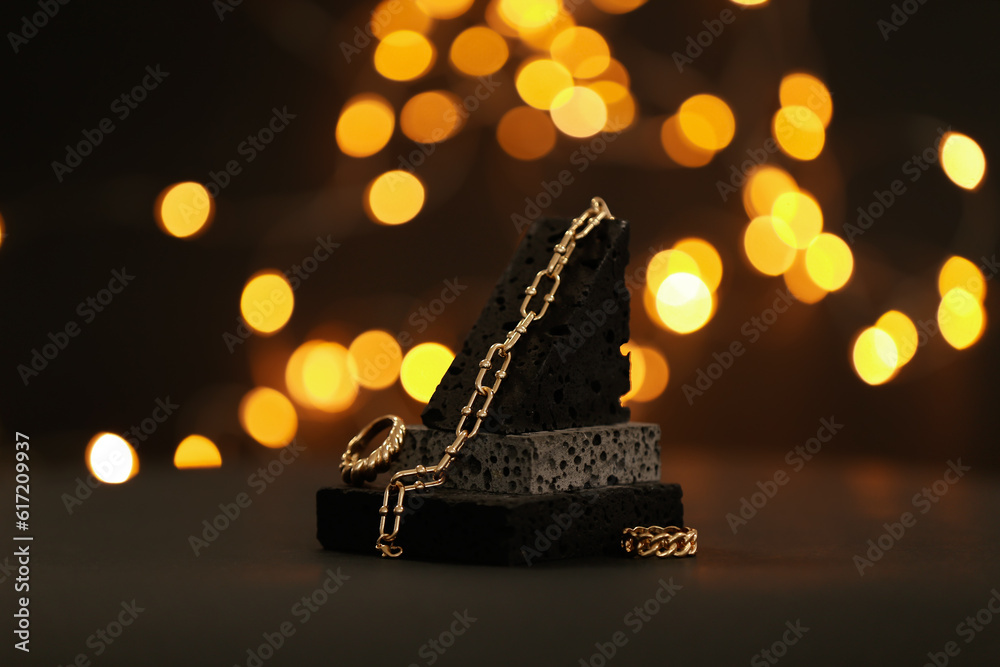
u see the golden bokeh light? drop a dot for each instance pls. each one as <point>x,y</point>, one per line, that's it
<point>431,116</point>
<point>962,160</point>
<point>666,263</point>
<point>679,149</point>
<point>111,458</point>
<point>636,370</point>
<point>683,303</point>
<point>318,376</point>
<point>903,332</point>
<point>805,90</point>
<point>374,358</point>
<point>497,21</point>
<point>526,133</point>
<point>764,248</point>
<point>583,51</point>
<point>960,272</point>
<point>656,374</point>
<point>394,197</point>
<point>183,210</point>
<point>445,9</point>
<point>802,216</point>
<point>707,122</point>
<point>393,15</point>
<point>529,14</point>
<point>541,80</point>
<point>750,3</point>
<point>961,318</point>
<point>800,283</point>
<point>268,417</point>
<point>763,187</point>
<point>365,125</point>
<point>618,6</point>
<point>579,112</point>
<point>422,369</point>
<point>404,55</point>
<point>829,262</point>
<point>540,39</point>
<point>799,132</point>
<point>874,356</point>
<point>706,257</point>
<point>619,102</point>
<point>478,51</point>
<point>616,72</point>
<point>267,301</point>
<point>197,451</point>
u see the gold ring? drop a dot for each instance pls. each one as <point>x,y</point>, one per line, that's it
<point>660,542</point>
<point>357,470</point>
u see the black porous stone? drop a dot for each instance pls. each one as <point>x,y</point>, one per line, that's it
<point>568,370</point>
<point>498,529</point>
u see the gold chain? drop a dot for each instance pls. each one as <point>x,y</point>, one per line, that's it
<point>595,213</point>
<point>661,542</point>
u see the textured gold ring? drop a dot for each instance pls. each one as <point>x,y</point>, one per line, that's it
<point>357,470</point>
<point>660,542</point>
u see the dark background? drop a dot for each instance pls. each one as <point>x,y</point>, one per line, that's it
<point>163,335</point>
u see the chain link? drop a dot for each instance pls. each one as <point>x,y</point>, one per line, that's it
<point>660,542</point>
<point>595,213</point>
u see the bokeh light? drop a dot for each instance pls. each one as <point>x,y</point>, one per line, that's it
<point>393,15</point>
<point>656,374</point>
<point>903,333</point>
<point>802,216</point>
<point>183,210</point>
<point>526,133</point>
<point>111,458</point>
<point>800,283</point>
<point>960,272</point>
<point>197,451</point>
<point>394,197</point>
<point>666,263</point>
<point>679,149</point>
<point>404,55</point>
<point>707,122</point>
<point>539,81</point>
<point>829,262</point>
<point>365,125</point>
<point>763,187</point>
<point>636,370</point>
<point>318,376</point>
<point>478,51</point>
<point>422,369</point>
<point>706,257</point>
<point>874,356</point>
<point>619,102</point>
<point>962,160</point>
<point>684,303</point>
<point>805,90</point>
<point>799,132</point>
<point>268,417</point>
<point>579,112</point>
<point>750,3</point>
<point>431,116</point>
<point>961,318</point>
<point>529,14</point>
<point>445,9</point>
<point>618,6</point>
<point>583,51</point>
<point>764,248</point>
<point>374,358</point>
<point>267,301</point>
<point>540,38</point>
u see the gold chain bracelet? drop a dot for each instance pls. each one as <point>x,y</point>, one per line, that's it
<point>595,213</point>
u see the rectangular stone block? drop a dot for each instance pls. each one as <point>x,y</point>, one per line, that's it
<point>542,462</point>
<point>494,528</point>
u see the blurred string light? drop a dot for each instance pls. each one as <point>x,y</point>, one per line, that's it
<point>829,262</point>
<point>636,370</point>
<point>111,458</point>
<point>318,376</point>
<point>800,283</point>
<point>579,112</point>
<point>268,417</point>
<point>374,359</point>
<point>799,132</point>
<point>680,285</point>
<point>750,3</point>
<point>526,133</point>
<point>478,51</point>
<point>707,122</point>
<point>903,332</point>
<point>618,6</point>
<point>802,218</point>
<point>422,369</point>
<point>960,272</point>
<point>365,125</point>
<point>763,187</point>
<point>875,356</point>
<point>445,9</point>
<point>197,451</point>
<point>679,148</point>
<point>764,246</point>
<point>404,55</point>
<point>267,301</point>
<point>805,90</point>
<point>961,318</point>
<point>431,116</point>
<point>619,102</point>
<point>684,303</point>
<point>648,374</point>
<point>184,209</point>
<point>529,15</point>
<point>583,51</point>
<point>540,80</point>
<point>962,160</point>
<point>393,15</point>
<point>394,197</point>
